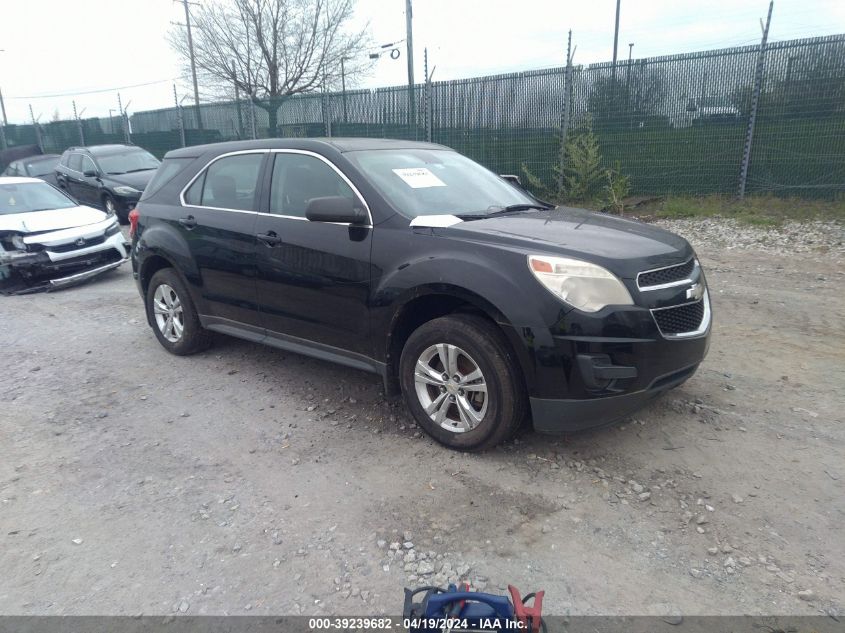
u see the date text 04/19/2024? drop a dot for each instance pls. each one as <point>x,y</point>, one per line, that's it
<point>416,624</point>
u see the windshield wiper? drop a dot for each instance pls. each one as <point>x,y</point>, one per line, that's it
<point>132,171</point>
<point>511,208</point>
<point>519,207</point>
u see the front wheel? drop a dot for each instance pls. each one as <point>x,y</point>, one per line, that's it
<point>111,209</point>
<point>461,382</point>
<point>173,316</point>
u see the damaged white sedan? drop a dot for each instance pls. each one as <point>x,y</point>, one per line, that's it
<point>48,241</point>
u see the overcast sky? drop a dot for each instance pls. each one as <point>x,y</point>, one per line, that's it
<point>56,47</point>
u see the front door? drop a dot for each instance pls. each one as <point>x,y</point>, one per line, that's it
<point>73,177</point>
<point>218,224</point>
<point>88,187</point>
<point>313,277</point>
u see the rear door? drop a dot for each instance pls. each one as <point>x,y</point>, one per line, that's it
<point>218,220</point>
<point>313,277</point>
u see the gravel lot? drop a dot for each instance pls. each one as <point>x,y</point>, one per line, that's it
<point>247,480</point>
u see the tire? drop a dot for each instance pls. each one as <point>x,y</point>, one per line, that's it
<point>475,344</point>
<point>110,207</point>
<point>193,337</point>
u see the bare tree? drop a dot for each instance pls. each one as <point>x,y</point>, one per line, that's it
<point>272,49</point>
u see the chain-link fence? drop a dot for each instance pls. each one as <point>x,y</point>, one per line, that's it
<point>674,124</point>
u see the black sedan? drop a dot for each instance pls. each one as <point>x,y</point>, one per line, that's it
<point>40,166</point>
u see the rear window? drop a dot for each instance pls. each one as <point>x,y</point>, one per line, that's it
<point>166,172</point>
<point>41,167</point>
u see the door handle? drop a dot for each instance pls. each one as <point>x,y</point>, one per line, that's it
<point>189,222</point>
<point>270,238</point>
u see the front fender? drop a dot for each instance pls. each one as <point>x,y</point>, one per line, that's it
<point>501,286</point>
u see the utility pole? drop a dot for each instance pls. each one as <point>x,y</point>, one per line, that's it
<point>193,63</point>
<point>3,109</point>
<point>179,117</point>
<point>615,40</point>
<point>567,108</point>
<point>343,86</point>
<point>3,105</point>
<point>237,100</point>
<point>409,38</point>
<point>755,101</point>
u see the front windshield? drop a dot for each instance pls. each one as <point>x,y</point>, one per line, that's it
<point>31,196</point>
<point>128,162</point>
<point>435,182</point>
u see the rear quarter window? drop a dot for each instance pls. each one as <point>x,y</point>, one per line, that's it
<point>167,171</point>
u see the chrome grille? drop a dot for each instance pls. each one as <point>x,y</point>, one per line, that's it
<point>680,319</point>
<point>669,275</point>
<point>73,246</point>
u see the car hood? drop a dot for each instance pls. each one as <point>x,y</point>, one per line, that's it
<point>625,247</point>
<point>55,220</point>
<point>139,179</point>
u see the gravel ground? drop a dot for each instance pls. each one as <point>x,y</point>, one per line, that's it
<point>247,480</point>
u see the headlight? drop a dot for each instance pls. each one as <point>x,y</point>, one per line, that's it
<point>17,242</point>
<point>126,190</point>
<point>580,284</point>
<point>113,229</point>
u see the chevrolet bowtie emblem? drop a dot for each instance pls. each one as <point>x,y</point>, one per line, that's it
<point>696,291</point>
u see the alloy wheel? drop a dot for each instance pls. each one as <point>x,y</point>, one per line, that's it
<point>169,316</point>
<point>451,388</point>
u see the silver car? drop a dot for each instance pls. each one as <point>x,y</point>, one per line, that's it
<point>48,241</point>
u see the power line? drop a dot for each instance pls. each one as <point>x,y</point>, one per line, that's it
<point>91,92</point>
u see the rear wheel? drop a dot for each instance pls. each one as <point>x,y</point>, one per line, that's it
<point>461,383</point>
<point>173,316</point>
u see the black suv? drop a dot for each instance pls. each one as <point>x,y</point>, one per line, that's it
<point>476,300</point>
<point>111,177</point>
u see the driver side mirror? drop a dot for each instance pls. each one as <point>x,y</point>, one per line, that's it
<point>91,173</point>
<point>335,209</point>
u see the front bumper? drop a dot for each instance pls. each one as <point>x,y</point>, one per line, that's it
<point>56,267</point>
<point>591,370</point>
<point>568,416</point>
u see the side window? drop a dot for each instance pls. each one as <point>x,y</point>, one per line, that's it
<point>13,170</point>
<point>75,162</point>
<point>297,178</point>
<point>168,170</point>
<point>87,164</point>
<point>228,183</point>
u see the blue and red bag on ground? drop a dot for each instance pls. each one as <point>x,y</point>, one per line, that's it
<point>458,609</point>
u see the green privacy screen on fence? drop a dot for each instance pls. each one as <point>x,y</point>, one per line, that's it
<point>674,124</point>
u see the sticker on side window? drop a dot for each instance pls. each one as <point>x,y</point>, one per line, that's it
<point>419,177</point>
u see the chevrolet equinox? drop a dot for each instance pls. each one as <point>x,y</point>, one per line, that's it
<point>477,301</point>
